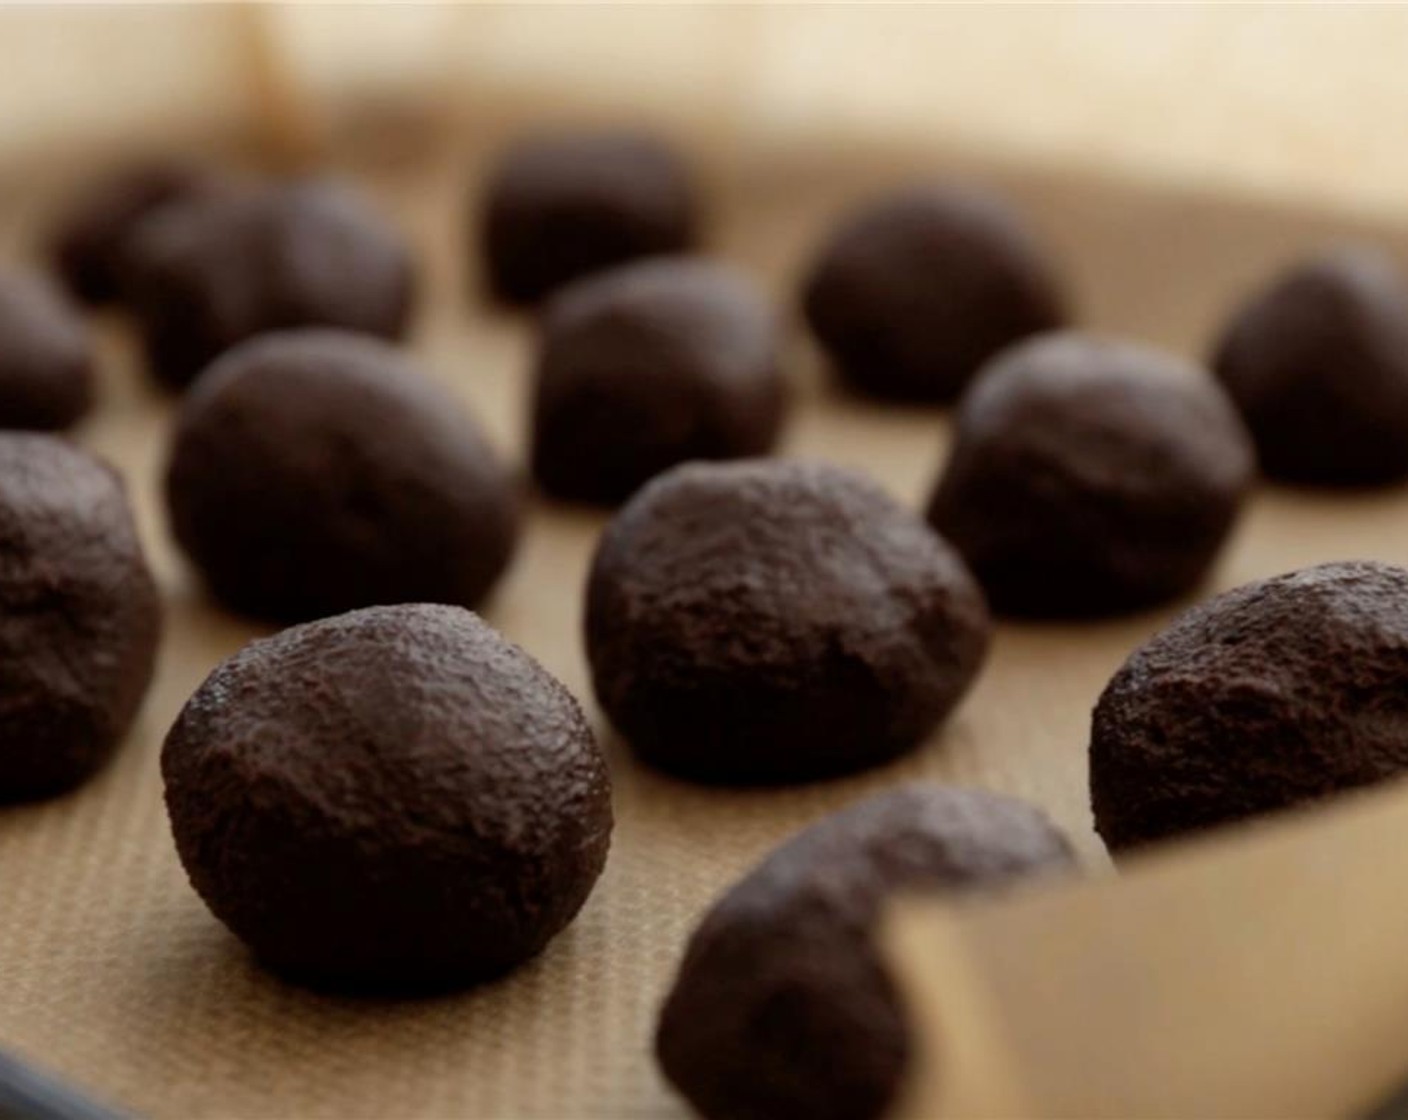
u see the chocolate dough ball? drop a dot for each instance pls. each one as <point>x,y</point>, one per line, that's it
<point>316,471</point>
<point>770,621</point>
<point>212,272</point>
<point>559,207</point>
<point>914,292</point>
<point>392,798</point>
<point>1318,365</point>
<point>79,616</point>
<point>46,356</point>
<point>1090,476</point>
<point>93,239</point>
<point>783,1006</point>
<point>1276,694</point>
<point>650,365</point>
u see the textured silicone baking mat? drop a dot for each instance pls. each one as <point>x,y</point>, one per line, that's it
<point>112,972</point>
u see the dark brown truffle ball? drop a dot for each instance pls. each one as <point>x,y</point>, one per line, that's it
<point>914,292</point>
<point>1278,693</point>
<point>91,246</point>
<point>560,207</point>
<point>1090,475</point>
<point>1318,365</point>
<point>79,616</point>
<point>770,621</point>
<point>783,1007</point>
<point>393,798</point>
<point>316,471</point>
<point>46,356</point>
<point>211,272</point>
<point>650,365</point>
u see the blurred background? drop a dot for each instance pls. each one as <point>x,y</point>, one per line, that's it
<point>1298,100</point>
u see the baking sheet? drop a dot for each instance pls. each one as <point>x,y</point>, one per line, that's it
<point>113,973</point>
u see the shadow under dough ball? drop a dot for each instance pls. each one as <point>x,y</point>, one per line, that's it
<point>783,1007</point>
<point>914,292</point>
<point>211,272</point>
<point>647,366</point>
<point>1318,365</point>
<point>317,471</point>
<point>1090,476</point>
<point>560,207</point>
<point>93,238</point>
<point>1275,694</point>
<point>46,356</point>
<point>79,616</point>
<point>395,798</point>
<point>771,621</point>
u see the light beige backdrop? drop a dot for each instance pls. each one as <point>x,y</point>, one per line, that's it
<point>1292,100</point>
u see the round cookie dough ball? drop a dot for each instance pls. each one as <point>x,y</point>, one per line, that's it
<point>769,621</point>
<point>915,291</point>
<point>560,207</point>
<point>211,272</point>
<point>1318,365</point>
<point>46,356</point>
<point>1090,476</point>
<point>79,616</point>
<point>647,366</point>
<point>316,471</point>
<point>395,798</point>
<point>1275,694</point>
<point>783,1007</point>
<point>92,242</point>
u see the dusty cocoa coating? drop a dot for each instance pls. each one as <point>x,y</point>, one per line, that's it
<point>79,616</point>
<point>649,365</point>
<point>316,471</point>
<point>782,1006</point>
<point>93,238</point>
<point>1318,365</point>
<point>211,272</point>
<point>46,356</point>
<point>915,291</point>
<point>560,207</point>
<point>769,621</point>
<point>1091,475</point>
<point>1275,694</point>
<point>393,798</point>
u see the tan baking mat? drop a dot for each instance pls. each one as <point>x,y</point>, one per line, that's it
<point>113,973</point>
<point>1254,972</point>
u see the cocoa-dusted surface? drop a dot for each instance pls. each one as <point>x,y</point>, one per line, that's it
<point>650,365</point>
<point>782,1007</point>
<point>915,290</point>
<point>211,272</point>
<point>558,207</point>
<point>1091,475</point>
<point>1275,694</point>
<point>316,471</point>
<point>769,621</point>
<point>1318,364</point>
<point>393,798</point>
<point>79,616</point>
<point>92,238</point>
<point>46,355</point>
